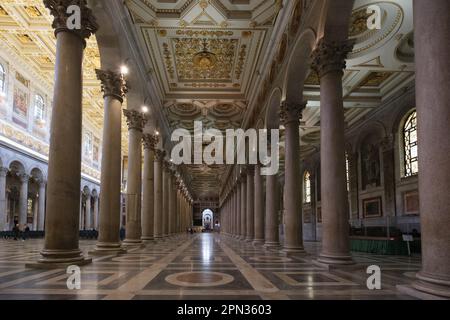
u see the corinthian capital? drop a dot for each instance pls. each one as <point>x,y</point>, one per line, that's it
<point>113,84</point>
<point>135,119</point>
<point>160,155</point>
<point>291,112</point>
<point>64,11</point>
<point>330,56</point>
<point>150,141</point>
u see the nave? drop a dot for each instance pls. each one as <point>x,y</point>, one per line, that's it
<point>201,267</point>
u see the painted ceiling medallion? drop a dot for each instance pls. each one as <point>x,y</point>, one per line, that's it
<point>205,60</point>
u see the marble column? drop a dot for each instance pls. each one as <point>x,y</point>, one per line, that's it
<point>233,211</point>
<point>329,63</point>
<point>179,226</point>
<point>243,204</point>
<point>250,235</point>
<point>81,213</point>
<point>432,53</point>
<point>293,239</point>
<point>159,158</point>
<point>172,203</point>
<point>165,193</point>
<point>95,214</point>
<point>148,187</point>
<point>136,122</point>
<point>88,212</point>
<point>114,89</point>
<point>35,214</point>
<point>238,209</point>
<point>61,246</point>
<point>23,199</point>
<point>259,207</point>
<point>3,173</point>
<point>271,234</point>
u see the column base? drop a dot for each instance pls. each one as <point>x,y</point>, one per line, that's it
<point>271,245</point>
<point>132,243</point>
<point>410,291</point>
<point>59,259</point>
<point>105,249</point>
<point>293,250</point>
<point>249,239</point>
<point>333,260</point>
<point>147,238</point>
<point>258,242</point>
<point>431,285</point>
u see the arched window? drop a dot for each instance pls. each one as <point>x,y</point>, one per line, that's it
<point>307,187</point>
<point>2,78</point>
<point>411,163</point>
<point>39,108</point>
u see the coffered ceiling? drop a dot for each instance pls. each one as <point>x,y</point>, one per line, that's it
<point>381,65</point>
<point>26,35</point>
<point>204,55</point>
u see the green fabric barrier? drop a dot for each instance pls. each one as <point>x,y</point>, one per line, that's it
<point>384,247</point>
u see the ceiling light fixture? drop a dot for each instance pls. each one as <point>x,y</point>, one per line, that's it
<point>124,70</point>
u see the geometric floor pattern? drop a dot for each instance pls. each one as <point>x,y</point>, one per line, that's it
<point>200,267</point>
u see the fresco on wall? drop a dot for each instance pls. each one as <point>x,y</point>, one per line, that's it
<point>20,108</point>
<point>370,161</point>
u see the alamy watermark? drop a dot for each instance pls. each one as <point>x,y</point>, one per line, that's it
<point>240,147</point>
<point>374,280</point>
<point>74,280</point>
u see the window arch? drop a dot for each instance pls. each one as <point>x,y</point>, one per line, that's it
<point>2,78</point>
<point>39,108</point>
<point>307,187</point>
<point>410,145</point>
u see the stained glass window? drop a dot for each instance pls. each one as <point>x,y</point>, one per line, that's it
<point>411,147</point>
<point>307,188</point>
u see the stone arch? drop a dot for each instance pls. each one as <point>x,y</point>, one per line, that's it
<point>86,190</point>
<point>37,173</point>
<point>299,66</point>
<point>272,120</point>
<point>17,167</point>
<point>375,132</point>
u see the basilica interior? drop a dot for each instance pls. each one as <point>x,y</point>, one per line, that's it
<point>87,170</point>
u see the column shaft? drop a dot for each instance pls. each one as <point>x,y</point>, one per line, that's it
<point>272,208</point>
<point>148,187</point>
<point>259,207</point>
<point>158,195</point>
<point>165,210</point>
<point>64,168</point>
<point>3,172</point>
<point>328,61</point>
<point>432,52</point>
<point>250,204</point>
<point>136,123</point>
<point>243,206</point>
<point>114,89</point>
<point>293,239</point>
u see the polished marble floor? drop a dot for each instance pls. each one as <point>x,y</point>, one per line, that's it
<point>197,267</point>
